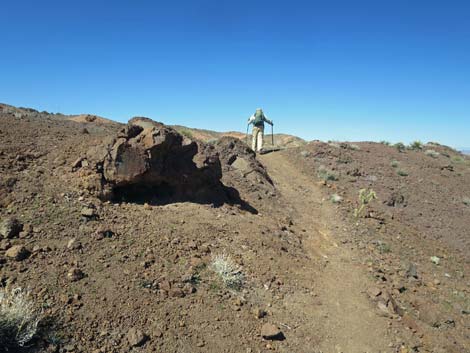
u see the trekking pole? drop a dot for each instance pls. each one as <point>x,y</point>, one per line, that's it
<point>272,134</point>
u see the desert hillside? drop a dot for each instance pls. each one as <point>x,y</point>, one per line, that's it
<point>142,237</point>
<point>280,140</point>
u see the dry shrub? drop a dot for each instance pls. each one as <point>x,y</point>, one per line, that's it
<point>229,272</point>
<point>19,318</point>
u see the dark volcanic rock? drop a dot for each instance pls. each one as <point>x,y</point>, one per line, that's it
<point>235,154</point>
<point>151,162</point>
<point>243,172</point>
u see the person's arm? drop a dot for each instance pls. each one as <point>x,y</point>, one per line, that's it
<point>251,119</point>
<point>268,121</point>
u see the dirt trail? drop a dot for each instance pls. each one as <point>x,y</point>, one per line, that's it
<point>334,305</point>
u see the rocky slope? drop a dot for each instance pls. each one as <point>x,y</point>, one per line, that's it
<point>116,273</point>
<point>126,274</point>
<point>414,236</point>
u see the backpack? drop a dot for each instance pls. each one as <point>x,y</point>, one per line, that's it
<point>259,118</point>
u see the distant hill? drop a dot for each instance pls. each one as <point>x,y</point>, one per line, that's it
<point>465,151</point>
<point>281,140</point>
<point>22,112</point>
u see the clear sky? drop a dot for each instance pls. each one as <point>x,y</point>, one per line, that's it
<point>341,70</point>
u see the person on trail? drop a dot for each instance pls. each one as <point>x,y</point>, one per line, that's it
<point>258,119</point>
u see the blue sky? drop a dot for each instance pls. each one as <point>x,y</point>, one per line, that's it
<point>340,70</point>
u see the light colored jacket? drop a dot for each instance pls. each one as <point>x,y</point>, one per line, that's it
<point>265,119</point>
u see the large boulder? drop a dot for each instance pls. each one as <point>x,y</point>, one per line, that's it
<point>148,161</point>
<point>243,172</point>
<point>236,155</point>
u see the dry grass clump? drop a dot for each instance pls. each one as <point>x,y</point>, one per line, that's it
<point>335,198</point>
<point>416,145</point>
<point>326,174</point>
<point>432,153</point>
<point>354,147</point>
<point>187,133</point>
<point>212,142</point>
<point>19,318</point>
<point>400,146</point>
<point>229,272</point>
<point>334,144</point>
<point>457,159</point>
<point>402,172</point>
<point>383,247</point>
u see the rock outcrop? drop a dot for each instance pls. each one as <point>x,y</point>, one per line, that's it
<point>243,172</point>
<point>150,162</point>
<point>235,154</point>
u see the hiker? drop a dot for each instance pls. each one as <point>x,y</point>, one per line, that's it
<point>258,119</point>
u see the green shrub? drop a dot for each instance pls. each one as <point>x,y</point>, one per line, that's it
<point>383,247</point>
<point>466,201</point>
<point>402,172</point>
<point>186,133</point>
<point>400,147</point>
<point>354,147</point>
<point>365,197</point>
<point>395,164</point>
<point>212,142</point>
<point>416,145</point>
<point>334,144</point>
<point>344,160</point>
<point>457,159</point>
<point>326,174</point>
<point>386,143</point>
<point>335,198</point>
<point>432,153</point>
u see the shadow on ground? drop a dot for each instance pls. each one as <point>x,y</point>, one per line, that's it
<point>164,194</point>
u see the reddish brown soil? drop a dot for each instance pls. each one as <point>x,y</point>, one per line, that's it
<point>415,217</point>
<point>306,261</point>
